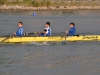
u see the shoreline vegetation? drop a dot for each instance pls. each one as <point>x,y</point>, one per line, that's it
<point>48,5</point>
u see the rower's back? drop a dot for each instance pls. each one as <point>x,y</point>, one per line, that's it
<point>20,31</point>
<point>48,32</point>
<point>72,30</point>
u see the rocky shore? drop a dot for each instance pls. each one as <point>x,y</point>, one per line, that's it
<point>16,7</point>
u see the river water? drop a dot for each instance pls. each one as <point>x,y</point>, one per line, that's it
<point>73,58</point>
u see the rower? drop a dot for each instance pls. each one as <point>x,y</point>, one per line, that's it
<point>20,31</point>
<point>72,30</point>
<point>43,33</point>
<point>47,30</point>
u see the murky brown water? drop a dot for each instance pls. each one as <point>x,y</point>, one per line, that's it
<point>76,58</point>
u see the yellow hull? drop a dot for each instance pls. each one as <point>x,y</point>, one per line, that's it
<point>50,39</point>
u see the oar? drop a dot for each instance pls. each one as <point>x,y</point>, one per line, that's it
<point>34,33</point>
<point>65,41</point>
<point>5,39</point>
<point>31,33</point>
<point>66,35</point>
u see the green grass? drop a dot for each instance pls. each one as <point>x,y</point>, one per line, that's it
<point>37,3</point>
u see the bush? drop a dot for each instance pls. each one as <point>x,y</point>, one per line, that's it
<point>48,3</point>
<point>2,2</point>
<point>37,3</point>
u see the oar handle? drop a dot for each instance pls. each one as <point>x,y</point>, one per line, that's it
<point>30,33</point>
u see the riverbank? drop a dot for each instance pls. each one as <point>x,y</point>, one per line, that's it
<point>16,7</point>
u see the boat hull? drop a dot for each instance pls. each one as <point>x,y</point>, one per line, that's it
<point>51,38</point>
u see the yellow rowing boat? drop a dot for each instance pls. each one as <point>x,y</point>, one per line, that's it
<point>26,39</point>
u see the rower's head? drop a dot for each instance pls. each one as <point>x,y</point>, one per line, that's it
<point>72,25</point>
<point>47,24</point>
<point>20,24</point>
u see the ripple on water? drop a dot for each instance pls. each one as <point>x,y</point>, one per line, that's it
<point>71,58</point>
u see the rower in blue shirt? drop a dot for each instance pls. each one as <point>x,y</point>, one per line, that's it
<point>20,31</point>
<point>47,30</point>
<point>72,30</point>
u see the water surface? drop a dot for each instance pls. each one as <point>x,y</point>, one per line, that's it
<point>74,58</point>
